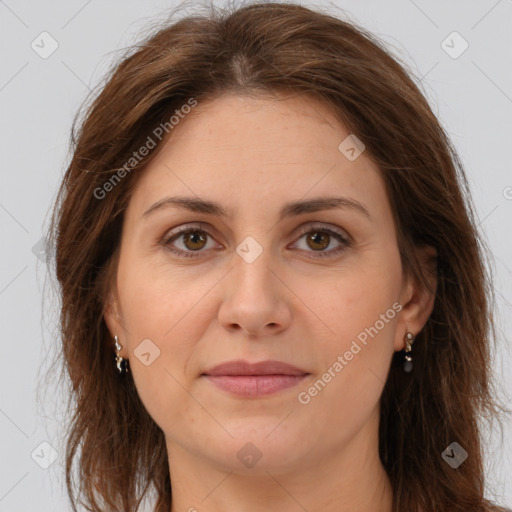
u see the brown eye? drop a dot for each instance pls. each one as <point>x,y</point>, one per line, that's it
<point>194,240</point>
<point>191,241</point>
<point>318,240</point>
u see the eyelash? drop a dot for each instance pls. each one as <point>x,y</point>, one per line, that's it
<point>310,229</point>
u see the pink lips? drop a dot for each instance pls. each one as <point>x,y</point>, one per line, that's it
<point>254,379</point>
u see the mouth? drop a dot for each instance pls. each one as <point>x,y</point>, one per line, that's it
<point>250,380</point>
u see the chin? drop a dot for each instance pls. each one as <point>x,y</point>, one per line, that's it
<point>258,448</point>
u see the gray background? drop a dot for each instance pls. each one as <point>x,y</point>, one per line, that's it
<point>471,94</point>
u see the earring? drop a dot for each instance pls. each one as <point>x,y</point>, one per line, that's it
<point>409,339</point>
<point>121,363</point>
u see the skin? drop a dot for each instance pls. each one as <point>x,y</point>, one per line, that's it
<point>252,155</point>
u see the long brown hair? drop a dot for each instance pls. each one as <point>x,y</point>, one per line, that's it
<point>267,48</point>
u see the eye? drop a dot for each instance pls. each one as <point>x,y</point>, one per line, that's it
<point>193,239</point>
<point>319,238</point>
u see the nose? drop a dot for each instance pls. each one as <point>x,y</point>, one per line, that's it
<point>255,299</point>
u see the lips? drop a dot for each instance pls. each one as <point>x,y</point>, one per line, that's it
<point>253,380</point>
<point>241,367</point>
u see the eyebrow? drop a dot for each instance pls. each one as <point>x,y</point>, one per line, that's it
<point>291,209</point>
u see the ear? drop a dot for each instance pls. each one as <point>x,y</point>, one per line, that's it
<point>113,319</point>
<point>417,298</point>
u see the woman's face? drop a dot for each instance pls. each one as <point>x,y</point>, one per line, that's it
<point>319,288</point>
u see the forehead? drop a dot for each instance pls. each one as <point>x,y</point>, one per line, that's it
<point>252,152</point>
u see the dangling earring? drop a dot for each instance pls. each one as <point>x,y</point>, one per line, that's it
<point>409,339</point>
<point>121,363</point>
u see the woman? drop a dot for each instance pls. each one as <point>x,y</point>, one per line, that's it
<point>273,290</point>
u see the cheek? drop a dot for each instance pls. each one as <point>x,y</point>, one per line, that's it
<point>156,298</point>
<point>361,313</point>
<point>358,306</point>
<point>354,364</point>
<point>162,320</point>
